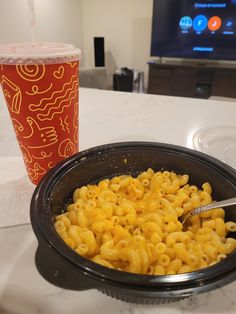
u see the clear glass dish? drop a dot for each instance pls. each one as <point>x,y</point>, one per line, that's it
<point>219,142</point>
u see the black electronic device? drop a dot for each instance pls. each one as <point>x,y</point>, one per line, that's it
<point>99,52</point>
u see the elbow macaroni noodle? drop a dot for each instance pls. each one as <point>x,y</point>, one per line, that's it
<point>132,224</point>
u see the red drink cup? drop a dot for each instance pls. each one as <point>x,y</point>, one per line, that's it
<point>40,85</point>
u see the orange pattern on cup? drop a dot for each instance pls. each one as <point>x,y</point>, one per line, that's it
<point>43,104</point>
<point>31,72</point>
<point>66,148</point>
<point>59,73</point>
<point>46,135</point>
<point>12,94</point>
<point>36,171</point>
<point>35,90</point>
<point>18,127</point>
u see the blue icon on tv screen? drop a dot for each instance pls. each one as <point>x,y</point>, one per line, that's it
<point>186,22</point>
<point>229,24</point>
<point>200,23</point>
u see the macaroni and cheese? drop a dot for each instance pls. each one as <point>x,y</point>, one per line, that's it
<point>132,224</point>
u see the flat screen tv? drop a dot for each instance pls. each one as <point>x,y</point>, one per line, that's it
<point>203,29</point>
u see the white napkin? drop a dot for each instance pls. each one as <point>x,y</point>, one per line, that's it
<point>15,192</point>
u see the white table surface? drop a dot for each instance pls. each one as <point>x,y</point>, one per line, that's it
<point>106,117</point>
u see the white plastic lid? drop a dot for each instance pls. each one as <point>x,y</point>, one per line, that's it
<point>220,142</point>
<point>27,53</point>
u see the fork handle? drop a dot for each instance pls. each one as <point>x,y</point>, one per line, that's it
<point>205,208</point>
<point>228,202</point>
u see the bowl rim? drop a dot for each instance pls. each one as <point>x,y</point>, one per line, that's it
<point>40,220</point>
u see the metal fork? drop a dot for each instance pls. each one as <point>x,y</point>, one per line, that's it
<point>205,208</point>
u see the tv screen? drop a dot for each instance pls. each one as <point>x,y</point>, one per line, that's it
<point>203,29</point>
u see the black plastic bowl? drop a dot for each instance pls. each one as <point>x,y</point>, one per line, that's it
<point>63,267</point>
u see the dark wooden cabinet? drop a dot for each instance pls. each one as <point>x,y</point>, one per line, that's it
<point>224,83</point>
<point>191,81</point>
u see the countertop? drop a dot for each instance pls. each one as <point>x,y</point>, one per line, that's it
<point>105,117</point>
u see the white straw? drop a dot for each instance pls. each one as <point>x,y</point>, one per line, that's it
<point>32,20</point>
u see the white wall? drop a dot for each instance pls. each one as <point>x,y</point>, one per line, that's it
<point>126,27</point>
<point>125,24</point>
<point>57,20</point>
<point>13,21</point>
